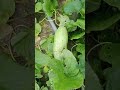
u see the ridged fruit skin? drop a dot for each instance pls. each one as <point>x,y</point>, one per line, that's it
<point>60,42</point>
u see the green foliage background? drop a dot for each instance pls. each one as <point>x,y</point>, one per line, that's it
<point>102,44</point>
<point>16,45</point>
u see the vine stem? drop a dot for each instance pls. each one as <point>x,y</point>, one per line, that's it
<point>10,50</point>
<point>73,47</point>
<point>83,87</point>
<point>20,26</point>
<point>54,28</point>
<point>11,53</point>
<point>95,47</point>
<point>42,20</point>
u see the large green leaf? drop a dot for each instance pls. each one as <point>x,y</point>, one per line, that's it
<point>72,6</point>
<point>23,44</point>
<point>5,30</point>
<point>60,81</point>
<point>115,3</point>
<point>92,81</point>
<point>110,54</point>
<point>100,21</point>
<point>49,6</point>
<point>70,62</point>
<point>7,8</point>
<point>41,59</point>
<point>14,76</point>
<point>113,78</point>
<point>58,73</point>
<point>92,5</point>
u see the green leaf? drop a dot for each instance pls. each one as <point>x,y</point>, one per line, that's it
<point>41,59</point>
<point>37,86</point>
<point>63,19</point>
<point>82,64</point>
<point>115,3</point>
<point>70,62</point>
<point>44,88</point>
<point>105,53</point>
<point>92,5</point>
<point>101,21</point>
<point>107,73</point>
<point>47,46</point>
<point>5,30</point>
<point>37,29</point>
<point>57,75</point>
<point>113,78</point>
<point>110,54</point>
<point>92,81</point>
<point>82,11</point>
<point>80,48</point>
<point>23,44</point>
<point>49,6</point>
<point>11,72</point>
<point>7,8</point>
<point>71,26</point>
<point>77,35</point>
<point>18,37</point>
<point>72,6</point>
<point>38,71</point>
<point>80,23</point>
<point>38,6</point>
<point>3,18</point>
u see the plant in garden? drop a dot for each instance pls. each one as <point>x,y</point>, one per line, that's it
<point>60,48</point>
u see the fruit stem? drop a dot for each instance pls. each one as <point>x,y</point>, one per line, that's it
<point>54,28</point>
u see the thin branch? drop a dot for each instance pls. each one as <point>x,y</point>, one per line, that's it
<point>54,28</point>
<point>95,47</point>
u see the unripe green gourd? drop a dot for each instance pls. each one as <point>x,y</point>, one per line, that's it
<point>60,42</point>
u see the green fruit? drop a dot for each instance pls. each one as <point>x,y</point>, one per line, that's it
<point>60,42</point>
